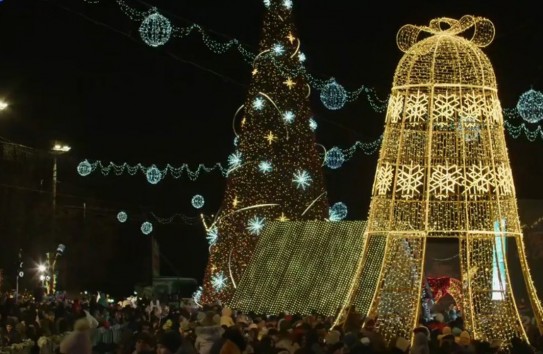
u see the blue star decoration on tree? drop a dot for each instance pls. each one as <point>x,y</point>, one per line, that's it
<point>265,166</point>
<point>255,226</point>
<point>302,179</point>
<point>212,236</point>
<point>218,281</point>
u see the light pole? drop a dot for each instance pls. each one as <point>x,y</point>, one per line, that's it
<point>57,149</point>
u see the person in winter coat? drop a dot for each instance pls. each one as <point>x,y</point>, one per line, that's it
<point>235,342</point>
<point>78,341</point>
<point>208,332</point>
<point>420,344</point>
<point>226,318</point>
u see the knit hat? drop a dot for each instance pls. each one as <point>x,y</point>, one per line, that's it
<point>456,331</point>
<point>171,340</point>
<point>332,337</point>
<point>445,331</point>
<point>463,339</point>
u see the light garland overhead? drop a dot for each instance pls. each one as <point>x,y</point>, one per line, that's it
<point>333,158</point>
<point>152,173</point>
<point>156,30</point>
<point>532,109</point>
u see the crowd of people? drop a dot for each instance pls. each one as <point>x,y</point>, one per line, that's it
<point>89,327</point>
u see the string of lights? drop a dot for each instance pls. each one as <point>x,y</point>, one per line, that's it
<point>516,131</point>
<point>185,219</point>
<point>333,158</point>
<point>156,30</point>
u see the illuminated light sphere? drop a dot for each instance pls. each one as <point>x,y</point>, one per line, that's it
<point>21,274</point>
<point>84,168</point>
<point>197,201</point>
<point>155,30</point>
<point>146,228</point>
<point>153,175</point>
<point>122,216</point>
<point>338,212</point>
<point>530,106</point>
<point>333,95</point>
<point>334,158</point>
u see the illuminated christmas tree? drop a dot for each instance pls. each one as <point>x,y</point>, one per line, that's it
<point>275,172</point>
<point>444,173</point>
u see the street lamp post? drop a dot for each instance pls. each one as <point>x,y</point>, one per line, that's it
<point>57,150</point>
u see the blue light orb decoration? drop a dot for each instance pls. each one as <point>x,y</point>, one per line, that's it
<point>122,216</point>
<point>153,175</point>
<point>334,158</point>
<point>197,201</point>
<point>146,228</point>
<point>155,30</point>
<point>337,212</point>
<point>530,106</point>
<point>333,95</point>
<point>84,168</point>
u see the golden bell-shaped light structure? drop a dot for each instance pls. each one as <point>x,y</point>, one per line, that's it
<point>444,172</point>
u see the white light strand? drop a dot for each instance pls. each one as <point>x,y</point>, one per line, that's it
<point>86,167</point>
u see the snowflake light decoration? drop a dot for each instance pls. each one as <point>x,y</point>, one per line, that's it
<point>267,3</point>
<point>416,107</point>
<point>301,57</point>
<point>212,236</point>
<point>395,108</point>
<point>234,160</point>
<point>218,280</point>
<point>265,166</point>
<point>383,178</point>
<point>258,103</point>
<point>478,179</point>
<point>287,4</point>
<point>312,124</point>
<point>288,117</point>
<point>445,106</point>
<point>409,180</point>
<point>255,225</point>
<point>443,180</point>
<point>278,49</point>
<point>84,168</point>
<point>302,179</point>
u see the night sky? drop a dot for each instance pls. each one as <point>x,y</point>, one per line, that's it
<point>79,72</point>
